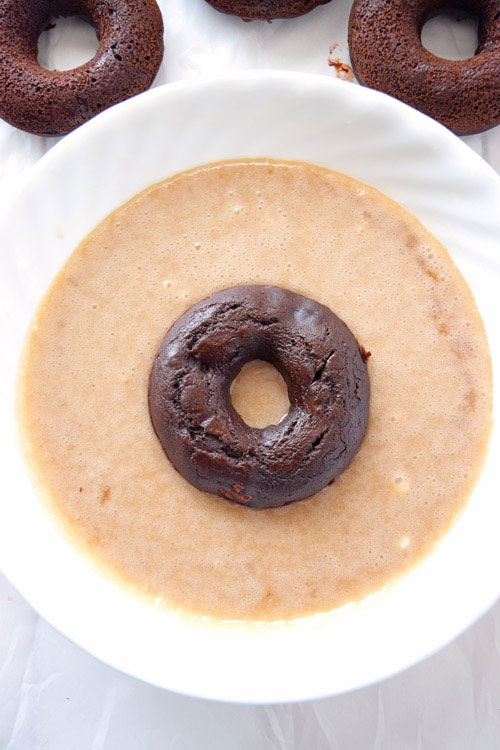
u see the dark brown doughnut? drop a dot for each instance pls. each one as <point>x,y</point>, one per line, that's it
<point>387,54</point>
<point>208,442</point>
<point>266,10</point>
<point>51,102</point>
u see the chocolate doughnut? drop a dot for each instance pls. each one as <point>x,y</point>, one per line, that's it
<point>387,54</point>
<point>51,102</point>
<point>207,441</point>
<point>251,10</point>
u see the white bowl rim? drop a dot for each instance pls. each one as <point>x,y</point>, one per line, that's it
<point>119,113</point>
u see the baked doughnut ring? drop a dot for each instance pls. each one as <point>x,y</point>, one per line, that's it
<point>52,102</point>
<point>251,10</point>
<point>387,54</point>
<point>207,441</point>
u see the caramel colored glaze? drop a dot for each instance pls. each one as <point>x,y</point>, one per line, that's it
<point>83,390</point>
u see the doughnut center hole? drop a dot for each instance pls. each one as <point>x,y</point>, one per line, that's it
<point>259,394</point>
<point>70,43</point>
<point>451,33</point>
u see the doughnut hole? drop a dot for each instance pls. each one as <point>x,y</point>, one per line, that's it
<point>451,33</point>
<point>259,394</point>
<point>67,43</point>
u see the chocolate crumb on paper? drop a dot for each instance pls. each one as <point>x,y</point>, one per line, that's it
<point>342,70</point>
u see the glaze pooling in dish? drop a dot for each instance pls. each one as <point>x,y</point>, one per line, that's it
<point>83,390</point>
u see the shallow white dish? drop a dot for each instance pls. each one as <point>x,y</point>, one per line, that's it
<point>337,125</point>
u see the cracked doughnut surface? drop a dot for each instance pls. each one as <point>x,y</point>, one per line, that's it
<point>52,102</point>
<point>209,444</point>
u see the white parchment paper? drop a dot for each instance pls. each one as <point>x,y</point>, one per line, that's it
<point>54,696</point>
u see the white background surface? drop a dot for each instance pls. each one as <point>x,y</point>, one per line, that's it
<point>53,696</point>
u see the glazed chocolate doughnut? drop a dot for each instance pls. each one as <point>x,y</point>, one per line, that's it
<point>387,54</point>
<point>207,441</point>
<point>51,102</point>
<point>251,10</point>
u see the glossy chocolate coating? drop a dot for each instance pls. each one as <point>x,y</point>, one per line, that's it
<point>207,441</point>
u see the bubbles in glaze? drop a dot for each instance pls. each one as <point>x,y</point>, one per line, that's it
<point>83,390</point>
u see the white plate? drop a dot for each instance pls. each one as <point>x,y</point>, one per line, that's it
<point>354,130</point>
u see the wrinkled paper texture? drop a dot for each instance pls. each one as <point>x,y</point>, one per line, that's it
<point>53,695</point>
